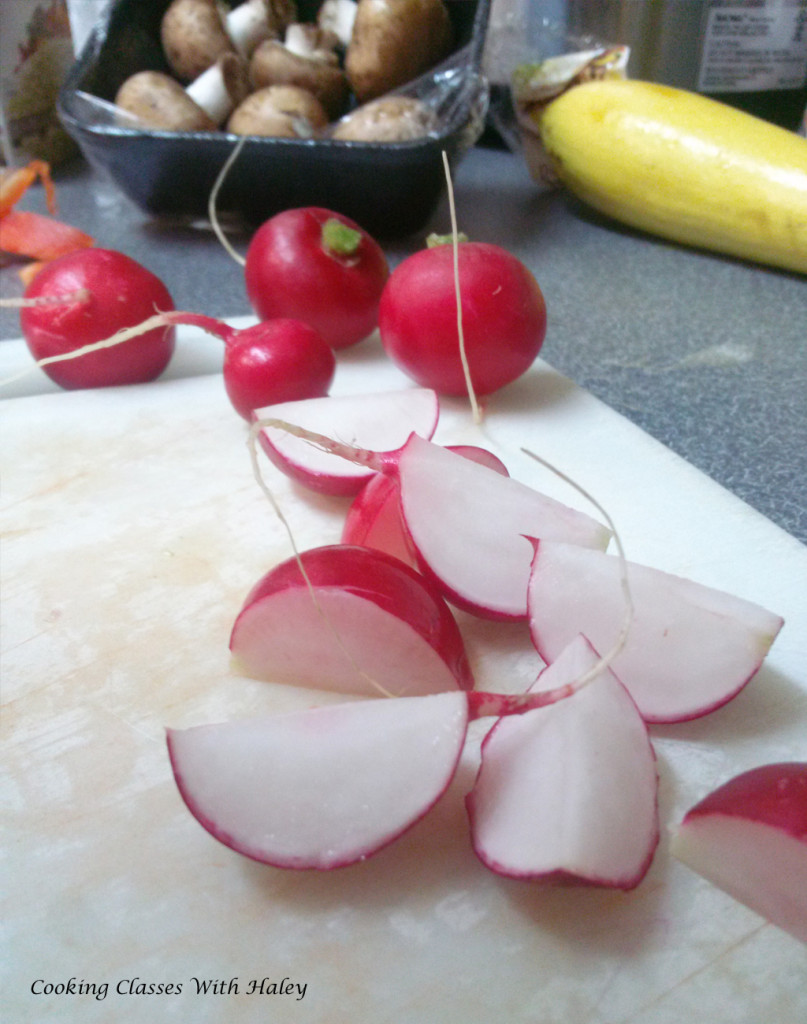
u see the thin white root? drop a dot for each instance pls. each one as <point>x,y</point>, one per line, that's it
<point>125,334</point>
<point>455,239</point>
<point>349,452</point>
<point>606,659</point>
<point>252,444</point>
<point>211,203</point>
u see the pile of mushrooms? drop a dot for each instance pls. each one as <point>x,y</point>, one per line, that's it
<point>254,69</point>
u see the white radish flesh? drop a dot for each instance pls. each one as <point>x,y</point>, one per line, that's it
<point>471,527</point>
<point>568,792</point>
<point>322,788</point>
<point>363,622</point>
<point>689,649</point>
<point>375,519</point>
<point>379,422</point>
<point>749,838</point>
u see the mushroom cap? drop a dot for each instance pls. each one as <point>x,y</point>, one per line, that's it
<point>159,101</point>
<point>193,37</point>
<point>388,119</point>
<point>273,63</point>
<point>279,110</point>
<point>394,41</point>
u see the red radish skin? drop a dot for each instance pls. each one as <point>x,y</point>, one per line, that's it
<point>377,626</point>
<point>375,519</point>
<point>117,293</point>
<point>689,649</point>
<point>376,422</point>
<point>567,793</point>
<point>749,838</point>
<point>503,318</point>
<point>294,271</point>
<point>270,362</point>
<point>336,784</point>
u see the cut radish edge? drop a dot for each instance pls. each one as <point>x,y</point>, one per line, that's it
<point>322,788</point>
<point>690,648</point>
<point>749,838</point>
<point>481,556</point>
<point>335,444</point>
<point>352,620</point>
<point>568,792</point>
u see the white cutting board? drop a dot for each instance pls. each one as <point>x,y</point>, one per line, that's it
<point>132,529</point>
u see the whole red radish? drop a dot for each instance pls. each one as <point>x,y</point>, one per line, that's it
<point>503,317</point>
<point>270,362</point>
<point>315,265</point>
<point>749,838</point>
<point>110,292</point>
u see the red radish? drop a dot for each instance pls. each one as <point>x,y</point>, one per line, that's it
<point>318,266</point>
<point>270,362</point>
<point>375,519</point>
<point>689,648</point>
<point>362,622</point>
<point>379,421</point>
<point>568,792</point>
<point>111,292</point>
<point>480,557</point>
<point>503,317</point>
<point>322,788</point>
<point>749,838</point>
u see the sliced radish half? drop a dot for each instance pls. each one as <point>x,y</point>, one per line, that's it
<point>470,527</point>
<point>689,648</point>
<point>375,519</point>
<point>749,838</point>
<point>367,624</point>
<point>568,792</point>
<point>378,422</point>
<point>321,788</point>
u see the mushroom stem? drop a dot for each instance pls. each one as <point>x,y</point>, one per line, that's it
<point>249,24</point>
<point>220,89</point>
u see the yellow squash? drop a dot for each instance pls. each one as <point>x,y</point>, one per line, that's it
<point>682,166</point>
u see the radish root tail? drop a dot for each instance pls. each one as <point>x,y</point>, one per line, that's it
<point>252,444</point>
<point>455,242</point>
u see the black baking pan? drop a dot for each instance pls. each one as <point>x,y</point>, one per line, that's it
<point>391,189</point>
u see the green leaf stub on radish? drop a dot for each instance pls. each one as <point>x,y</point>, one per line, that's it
<point>690,648</point>
<point>322,788</point>
<point>363,622</point>
<point>568,792</point>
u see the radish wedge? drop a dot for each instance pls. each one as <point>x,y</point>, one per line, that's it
<point>749,838</point>
<point>375,519</point>
<point>568,792</point>
<point>690,648</point>
<point>470,527</point>
<point>379,422</point>
<point>373,625</point>
<point>321,788</point>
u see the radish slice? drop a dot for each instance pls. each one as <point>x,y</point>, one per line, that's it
<point>375,519</point>
<point>749,838</point>
<point>321,788</point>
<point>373,625</point>
<point>470,527</point>
<point>689,649</point>
<point>380,422</point>
<point>568,792</point>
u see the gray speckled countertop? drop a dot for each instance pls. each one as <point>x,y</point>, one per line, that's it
<point>708,355</point>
